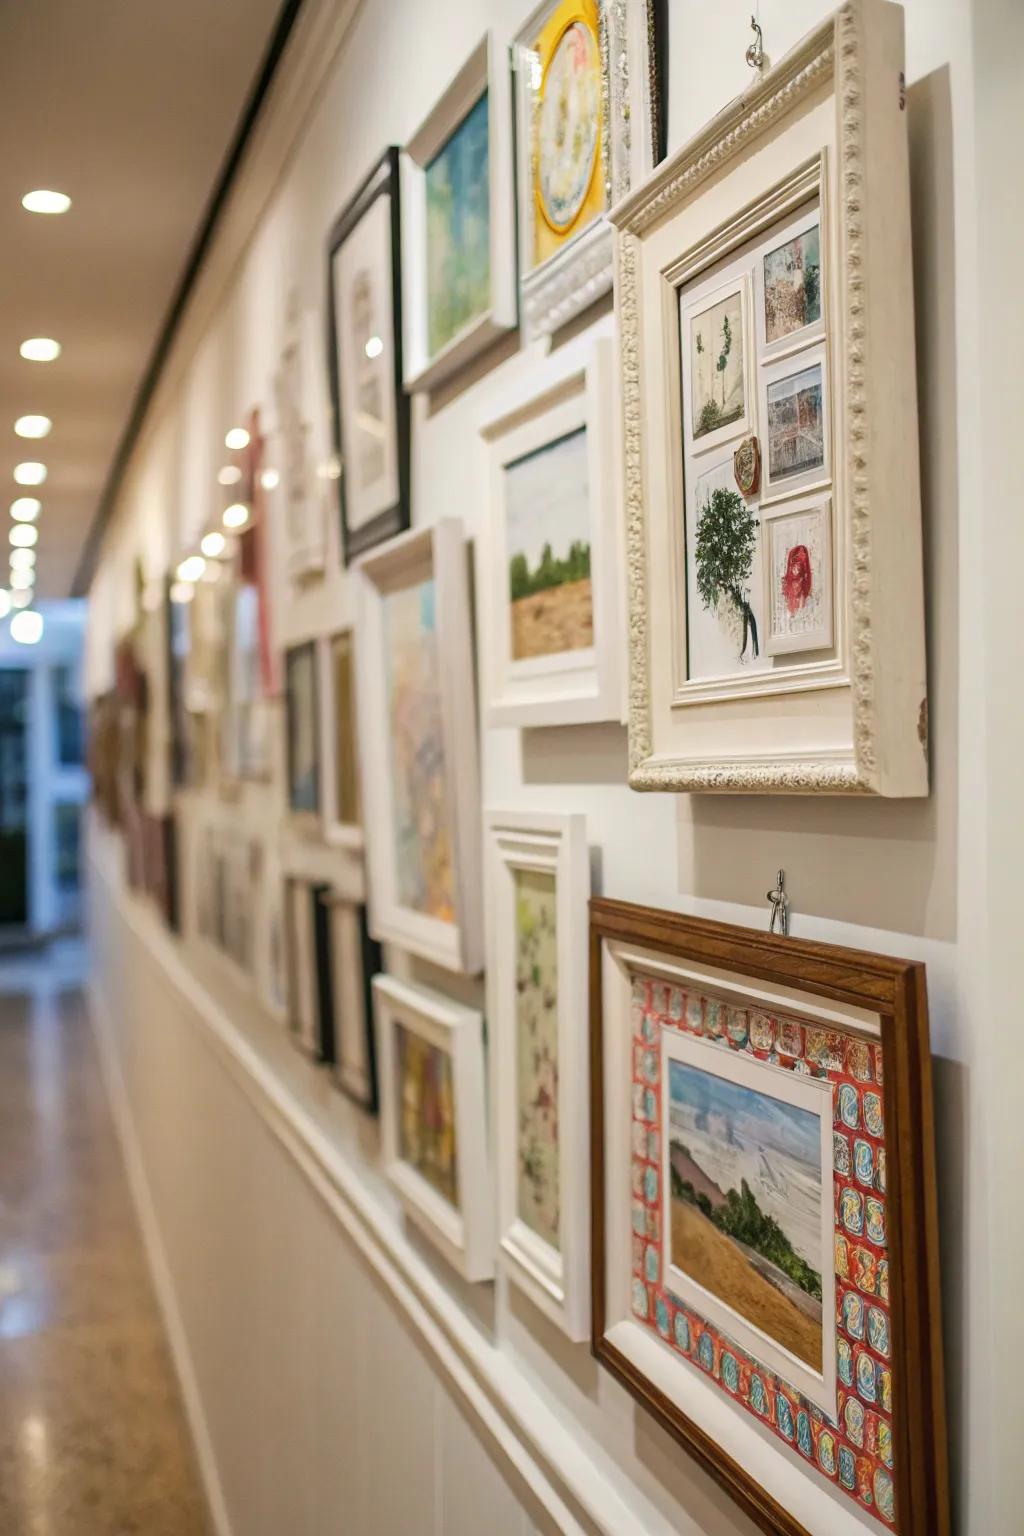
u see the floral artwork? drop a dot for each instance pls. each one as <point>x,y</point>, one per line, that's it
<point>426,1113</point>
<point>459,230</point>
<point>792,286</point>
<point>424,873</point>
<point>852,1444</point>
<point>536,951</point>
<point>547,519</point>
<point>567,126</point>
<point>796,433</point>
<point>716,366</point>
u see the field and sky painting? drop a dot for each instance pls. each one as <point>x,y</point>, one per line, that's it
<point>547,529</point>
<point>426,1113</point>
<point>716,365</point>
<point>792,286</point>
<point>536,949</point>
<point>796,431</point>
<point>424,877</point>
<point>746,1204</point>
<point>458,230</point>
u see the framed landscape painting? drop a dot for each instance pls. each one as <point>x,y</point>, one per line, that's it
<point>302,724</point>
<point>433,1119</point>
<point>459,261</point>
<point>589,124</point>
<point>370,406</point>
<point>554,646</point>
<point>538,880</point>
<point>417,726</point>
<point>765,1265</point>
<point>770,409</point>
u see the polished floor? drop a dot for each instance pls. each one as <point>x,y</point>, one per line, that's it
<point>93,1440</point>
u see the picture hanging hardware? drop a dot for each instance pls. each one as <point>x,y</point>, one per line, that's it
<point>755,53</point>
<point>779,920</point>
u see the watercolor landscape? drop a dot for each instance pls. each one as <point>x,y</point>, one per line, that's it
<point>746,1205</point>
<point>536,951</point>
<point>796,431</point>
<point>458,230</point>
<point>547,520</point>
<point>426,1119</point>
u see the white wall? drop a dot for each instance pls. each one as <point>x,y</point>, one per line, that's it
<point>251,1256</point>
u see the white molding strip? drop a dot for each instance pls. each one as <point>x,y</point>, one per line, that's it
<point>520,1425</point>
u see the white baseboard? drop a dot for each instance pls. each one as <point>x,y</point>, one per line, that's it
<point>159,1268</point>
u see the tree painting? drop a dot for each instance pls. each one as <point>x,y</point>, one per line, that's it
<point>717,366</point>
<point>726,540</point>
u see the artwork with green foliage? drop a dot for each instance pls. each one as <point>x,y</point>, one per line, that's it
<point>459,230</point>
<point>547,521</point>
<point>726,541</point>
<point>716,366</point>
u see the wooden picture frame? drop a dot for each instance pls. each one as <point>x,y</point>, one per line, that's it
<point>437,347</point>
<point>787,205</point>
<point>445,1186</point>
<point>566,259</point>
<point>302,734</point>
<point>561,418</point>
<point>538,881</point>
<point>417,729</point>
<point>364,295</point>
<point>757,1023</point>
<point>310,1015</point>
<point>355,959</point>
<point>340,784</point>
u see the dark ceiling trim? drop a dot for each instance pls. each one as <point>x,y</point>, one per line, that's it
<point>197,255</point>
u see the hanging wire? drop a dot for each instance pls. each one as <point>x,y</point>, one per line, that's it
<point>755,55</point>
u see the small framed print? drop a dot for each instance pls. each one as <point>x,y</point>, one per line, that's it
<point>417,727</point>
<point>341,797</point>
<point>459,262</point>
<point>764,1216</point>
<point>354,961</point>
<point>789,277</point>
<point>554,652</point>
<point>302,724</point>
<point>538,882</point>
<point>798,577</point>
<point>797,428</point>
<point>308,965</point>
<point>370,406</point>
<point>588,121</point>
<point>717,376</point>
<point>433,1119</point>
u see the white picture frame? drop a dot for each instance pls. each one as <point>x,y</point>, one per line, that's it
<point>341,822</point>
<point>567,394</point>
<point>427,365</point>
<point>461,1228</point>
<point>809,521</point>
<point>551,1267</point>
<point>845,720</point>
<point>301,444</point>
<point>406,899</point>
<point>580,271</point>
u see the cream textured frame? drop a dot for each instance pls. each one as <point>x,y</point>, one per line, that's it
<point>570,390</point>
<point>486,69</point>
<point>557,289</point>
<point>856,723</point>
<point>440,552</point>
<point>556,1280</point>
<point>463,1234</point>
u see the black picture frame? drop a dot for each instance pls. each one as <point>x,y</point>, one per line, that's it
<point>321,1046</point>
<point>293,658</point>
<point>372,962</point>
<point>383,181</point>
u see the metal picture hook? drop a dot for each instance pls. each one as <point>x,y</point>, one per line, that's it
<point>755,53</point>
<point>779,920</point>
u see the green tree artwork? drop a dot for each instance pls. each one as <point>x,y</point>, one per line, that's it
<point>726,537</point>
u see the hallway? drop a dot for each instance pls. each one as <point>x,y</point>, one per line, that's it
<point>93,1439</point>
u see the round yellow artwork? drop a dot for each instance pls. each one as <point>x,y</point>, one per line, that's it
<point>568,128</point>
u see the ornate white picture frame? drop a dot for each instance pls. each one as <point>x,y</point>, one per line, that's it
<point>417,726</point>
<point>431,1056</point>
<point>538,883</point>
<point>616,45</point>
<point>555,651</point>
<point>849,714</point>
<point>477,99</point>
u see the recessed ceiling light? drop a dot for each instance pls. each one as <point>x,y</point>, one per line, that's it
<point>33,426</point>
<point>236,516</point>
<point>229,475</point>
<point>30,473</point>
<point>23,536</point>
<point>27,627</point>
<point>46,202</point>
<point>213,544</point>
<point>236,439</point>
<point>182,592</point>
<point>270,479</point>
<point>22,559</point>
<point>26,509</point>
<point>192,568</point>
<point>40,349</point>
<point>23,598</point>
<point>21,581</point>
<point>5,602</point>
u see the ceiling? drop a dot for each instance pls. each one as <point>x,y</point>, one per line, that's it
<point>131,109</point>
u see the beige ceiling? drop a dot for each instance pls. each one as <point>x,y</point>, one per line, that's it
<point>130,107</point>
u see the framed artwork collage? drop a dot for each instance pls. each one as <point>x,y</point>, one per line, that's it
<point>705,1151</point>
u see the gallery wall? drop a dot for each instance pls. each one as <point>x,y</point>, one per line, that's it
<point>268,1289</point>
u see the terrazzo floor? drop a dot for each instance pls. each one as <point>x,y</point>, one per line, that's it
<point>93,1439</point>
